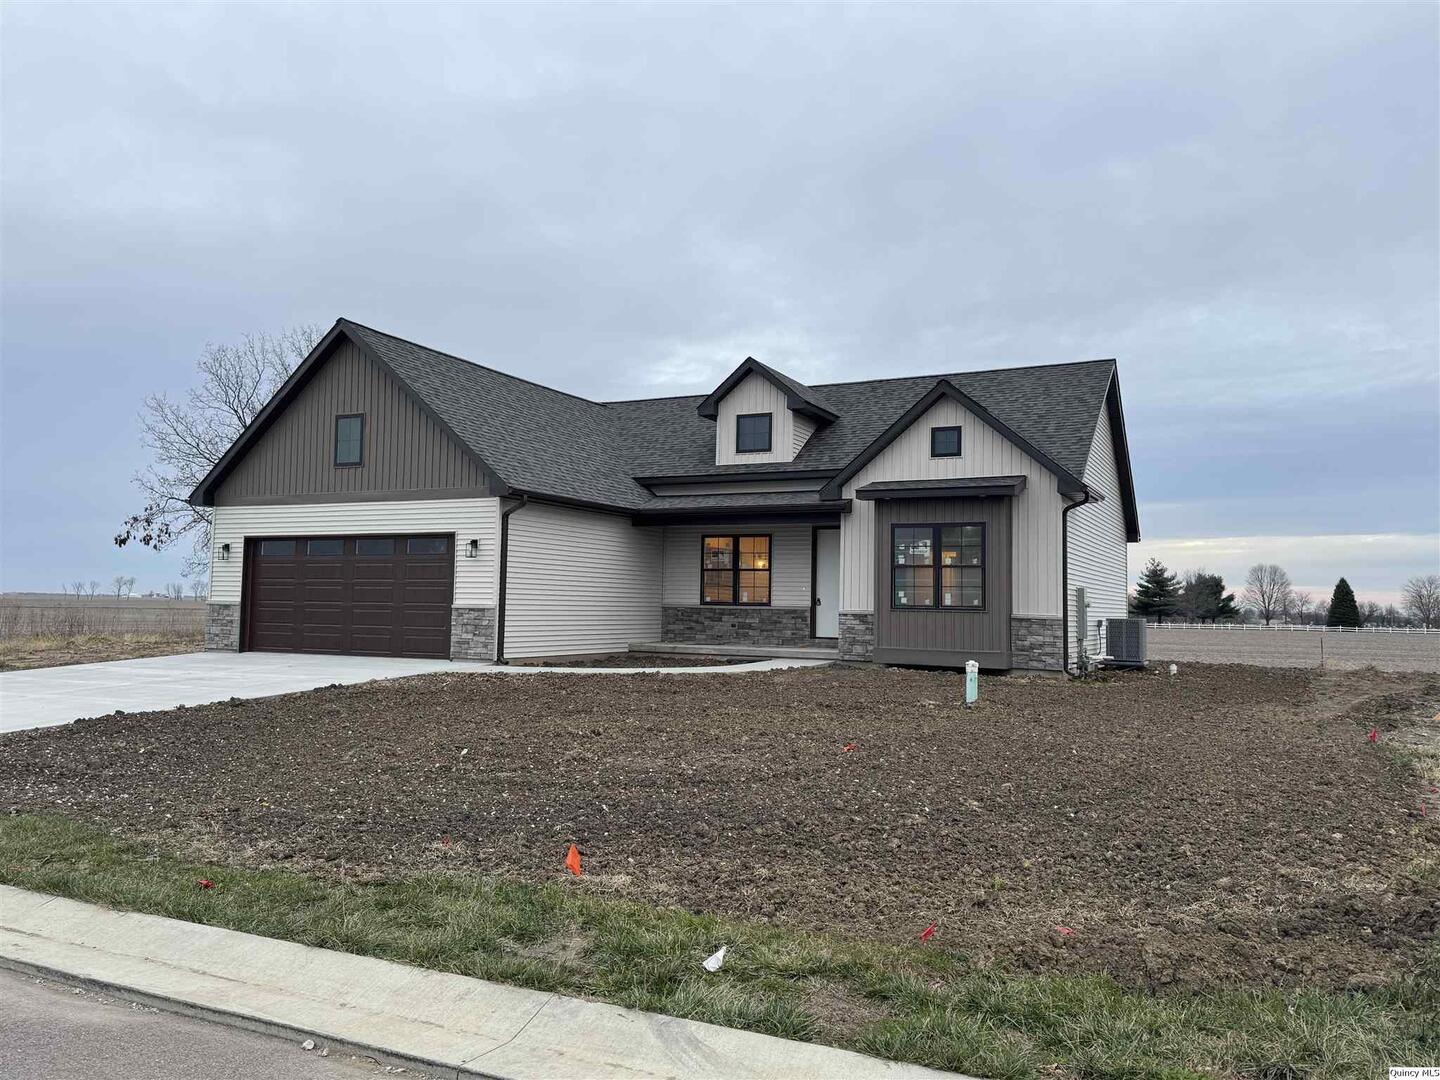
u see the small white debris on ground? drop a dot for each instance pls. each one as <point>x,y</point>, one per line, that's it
<point>714,960</point>
<point>308,1044</point>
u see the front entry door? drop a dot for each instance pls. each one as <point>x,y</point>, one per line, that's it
<point>827,583</point>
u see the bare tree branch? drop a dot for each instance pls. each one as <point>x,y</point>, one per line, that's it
<point>1421,597</point>
<point>1268,590</point>
<point>185,439</point>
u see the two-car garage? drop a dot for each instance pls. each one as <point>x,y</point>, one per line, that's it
<point>364,595</point>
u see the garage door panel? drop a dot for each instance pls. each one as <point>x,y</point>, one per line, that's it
<point>357,601</point>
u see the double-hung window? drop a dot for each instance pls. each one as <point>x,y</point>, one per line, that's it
<point>937,566</point>
<point>735,570</point>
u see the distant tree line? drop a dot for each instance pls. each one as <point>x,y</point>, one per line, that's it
<point>1269,596</point>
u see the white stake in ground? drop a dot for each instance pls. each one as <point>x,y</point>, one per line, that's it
<point>972,683</point>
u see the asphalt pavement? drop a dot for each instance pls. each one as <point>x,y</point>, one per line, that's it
<point>50,1031</point>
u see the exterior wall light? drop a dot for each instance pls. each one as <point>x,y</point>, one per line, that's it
<point>224,552</point>
<point>472,549</point>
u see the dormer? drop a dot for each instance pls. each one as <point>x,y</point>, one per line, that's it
<point>762,416</point>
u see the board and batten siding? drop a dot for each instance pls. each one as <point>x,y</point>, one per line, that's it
<point>1034,522</point>
<point>757,394</point>
<point>467,519</point>
<point>579,582</point>
<point>1098,554</point>
<point>404,454</point>
<point>789,562</point>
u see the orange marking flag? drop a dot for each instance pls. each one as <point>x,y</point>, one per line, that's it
<point>572,860</point>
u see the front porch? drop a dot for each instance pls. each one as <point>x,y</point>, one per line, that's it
<point>819,649</point>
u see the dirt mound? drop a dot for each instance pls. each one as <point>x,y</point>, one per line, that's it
<point>1230,824</point>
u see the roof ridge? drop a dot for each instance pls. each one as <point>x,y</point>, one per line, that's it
<point>891,378</point>
<point>471,363</point>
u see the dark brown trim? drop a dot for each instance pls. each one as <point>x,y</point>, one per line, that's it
<point>1065,578</point>
<point>795,397</point>
<point>829,513</point>
<point>359,497</point>
<point>204,493</point>
<point>1068,483</point>
<point>736,477</point>
<point>1121,447</point>
<point>503,572</point>
<point>935,527</point>
<point>769,432</point>
<point>335,436</point>
<point>941,489</point>
<point>735,569</point>
<point>815,531</point>
<point>959,440</point>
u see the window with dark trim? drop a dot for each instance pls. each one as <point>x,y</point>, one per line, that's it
<point>325,547</point>
<point>277,547</point>
<point>937,566</point>
<point>735,570</point>
<point>752,433</point>
<point>426,545</point>
<point>349,440</point>
<point>944,442</point>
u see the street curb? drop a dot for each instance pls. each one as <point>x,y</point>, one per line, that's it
<point>225,1018</point>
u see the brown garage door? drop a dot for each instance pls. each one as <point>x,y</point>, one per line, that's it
<point>368,595</point>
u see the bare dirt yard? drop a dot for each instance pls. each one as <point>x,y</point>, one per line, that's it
<point>1232,825</point>
<point>1295,648</point>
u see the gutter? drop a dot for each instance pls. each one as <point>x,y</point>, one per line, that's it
<point>1065,577</point>
<point>504,563</point>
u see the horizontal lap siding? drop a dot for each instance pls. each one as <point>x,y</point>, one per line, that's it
<point>789,556</point>
<point>579,582</point>
<point>467,519</point>
<point>1098,554</point>
<point>755,394</point>
<point>1035,514</point>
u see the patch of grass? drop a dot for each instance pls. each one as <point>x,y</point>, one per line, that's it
<point>916,1004</point>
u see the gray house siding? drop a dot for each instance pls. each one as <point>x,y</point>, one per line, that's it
<point>406,454</point>
<point>945,638</point>
<point>1096,545</point>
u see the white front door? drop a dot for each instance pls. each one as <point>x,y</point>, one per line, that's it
<point>827,583</point>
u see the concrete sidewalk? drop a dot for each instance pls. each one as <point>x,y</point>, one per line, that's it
<point>447,1024</point>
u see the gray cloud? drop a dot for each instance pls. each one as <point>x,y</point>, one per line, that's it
<point>1235,201</point>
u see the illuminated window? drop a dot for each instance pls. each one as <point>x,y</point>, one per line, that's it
<point>735,570</point>
<point>937,566</point>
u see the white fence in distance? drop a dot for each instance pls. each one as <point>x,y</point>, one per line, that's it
<point>1296,628</point>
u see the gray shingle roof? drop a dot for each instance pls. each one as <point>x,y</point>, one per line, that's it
<point>548,442</point>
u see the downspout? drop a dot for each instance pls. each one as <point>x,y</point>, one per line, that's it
<point>1065,579</point>
<point>504,562</point>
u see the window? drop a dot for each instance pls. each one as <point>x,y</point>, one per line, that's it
<point>375,545</point>
<point>944,442</point>
<point>735,570</point>
<point>349,439</point>
<point>937,566</point>
<point>426,545</point>
<point>277,547</point>
<point>325,547</point>
<point>752,433</point>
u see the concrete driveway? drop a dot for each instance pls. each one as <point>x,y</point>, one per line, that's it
<point>47,696</point>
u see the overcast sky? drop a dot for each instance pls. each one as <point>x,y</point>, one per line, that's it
<point>1239,203</point>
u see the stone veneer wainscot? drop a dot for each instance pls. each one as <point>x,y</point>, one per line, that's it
<point>472,633</point>
<point>222,627</point>
<point>1035,643</point>
<point>725,624</point>
<point>857,635</point>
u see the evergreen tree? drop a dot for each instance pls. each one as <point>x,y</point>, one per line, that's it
<point>1158,592</point>
<point>1343,609</point>
<point>1204,598</point>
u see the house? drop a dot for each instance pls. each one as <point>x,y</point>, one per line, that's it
<point>395,500</point>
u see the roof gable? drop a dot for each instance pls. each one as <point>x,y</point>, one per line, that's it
<point>798,397</point>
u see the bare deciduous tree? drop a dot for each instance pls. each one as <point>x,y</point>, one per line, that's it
<point>186,438</point>
<point>91,588</point>
<point>175,591</point>
<point>78,588</point>
<point>199,589</point>
<point>1268,590</point>
<point>1300,605</point>
<point>1421,596</point>
<point>1370,612</point>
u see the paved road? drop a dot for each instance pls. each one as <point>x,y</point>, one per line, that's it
<point>53,1032</point>
<point>1290,648</point>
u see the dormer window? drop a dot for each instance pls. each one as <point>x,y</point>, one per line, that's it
<point>752,433</point>
<point>944,442</point>
<point>349,440</point>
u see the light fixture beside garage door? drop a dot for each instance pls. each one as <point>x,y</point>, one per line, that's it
<point>472,549</point>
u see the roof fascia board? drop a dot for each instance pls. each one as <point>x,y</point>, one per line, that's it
<point>204,493</point>
<point>775,515</point>
<point>871,493</point>
<point>736,477</point>
<point>1121,446</point>
<point>1067,483</point>
<point>709,409</point>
